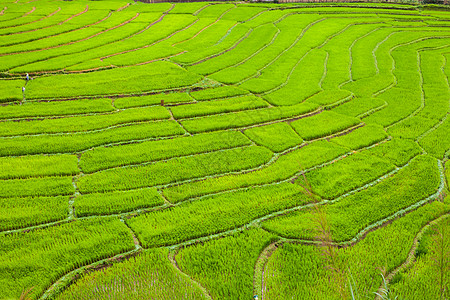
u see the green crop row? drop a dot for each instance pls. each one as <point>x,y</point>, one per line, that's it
<point>435,87</point>
<point>406,97</point>
<point>80,53</point>
<point>246,118</point>
<point>14,14</point>
<point>347,174</point>
<point>285,167</point>
<point>68,32</point>
<point>398,151</point>
<point>158,51</point>
<point>213,214</point>
<point>384,61</point>
<point>102,57</point>
<point>213,37</point>
<point>47,186</point>
<point>214,11</point>
<point>40,257</point>
<point>118,22</point>
<point>428,278</point>
<point>218,106</point>
<point>362,137</point>
<point>256,40</point>
<point>437,142</point>
<point>301,271</point>
<point>411,128</point>
<point>350,215</point>
<point>155,76</point>
<point>340,49</point>
<point>269,16</point>
<point>176,169</point>
<point>11,90</point>
<point>28,32</point>
<point>169,98</point>
<point>35,16</point>
<point>290,30</point>
<point>107,157</point>
<point>218,92</point>
<point>33,166</point>
<point>329,97</point>
<point>211,40</point>
<point>116,202</point>
<point>303,82</point>
<point>51,20</point>
<point>363,65</point>
<point>147,276</point>
<point>323,124</point>
<point>83,123</point>
<point>79,40</point>
<point>275,74</point>
<point>55,108</point>
<point>243,13</point>
<point>30,211</point>
<point>277,137</point>
<point>187,8</point>
<point>226,266</point>
<point>435,96</point>
<point>359,106</point>
<point>67,143</point>
<point>188,33</point>
<point>162,7</point>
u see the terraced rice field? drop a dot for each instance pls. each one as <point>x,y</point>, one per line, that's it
<point>167,151</point>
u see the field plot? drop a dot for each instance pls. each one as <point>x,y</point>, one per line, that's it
<point>224,150</point>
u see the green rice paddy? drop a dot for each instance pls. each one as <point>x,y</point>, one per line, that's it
<point>224,150</point>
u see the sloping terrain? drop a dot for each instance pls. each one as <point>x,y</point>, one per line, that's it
<point>161,151</point>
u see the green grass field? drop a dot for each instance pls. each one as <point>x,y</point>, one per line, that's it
<point>224,150</point>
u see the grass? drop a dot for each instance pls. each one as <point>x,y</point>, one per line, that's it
<point>108,157</point>
<point>112,82</point>
<point>67,143</point>
<point>245,118</point>
<point>218,92</point>
<point>213,214</point>
<point>436,142</point>
<point>40,257</point>
<point>432,262</point>
<point>277,137</point>
<point>38,166</point>
<point>47,186</point>
<point>13,90</point>
<point>143,126</point>
<point>359,106</point>
<point>285,167</point>
<point>55,108</point>
<point>353,213</point>
<point>20,212</point>
<point>347,174</point>
<point>290,26</point>
<point>127,102</point>
<point>362,137</point>
<point>398,151</point>
<point>218,106</point>
<point>297,270</point>
<point>303,82</point>
<point>148,275</point>
<point>229,267</point>
<point>116,202</point>
<point>323,124</point>
<point>177,169</point>
<point>84,123</point>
